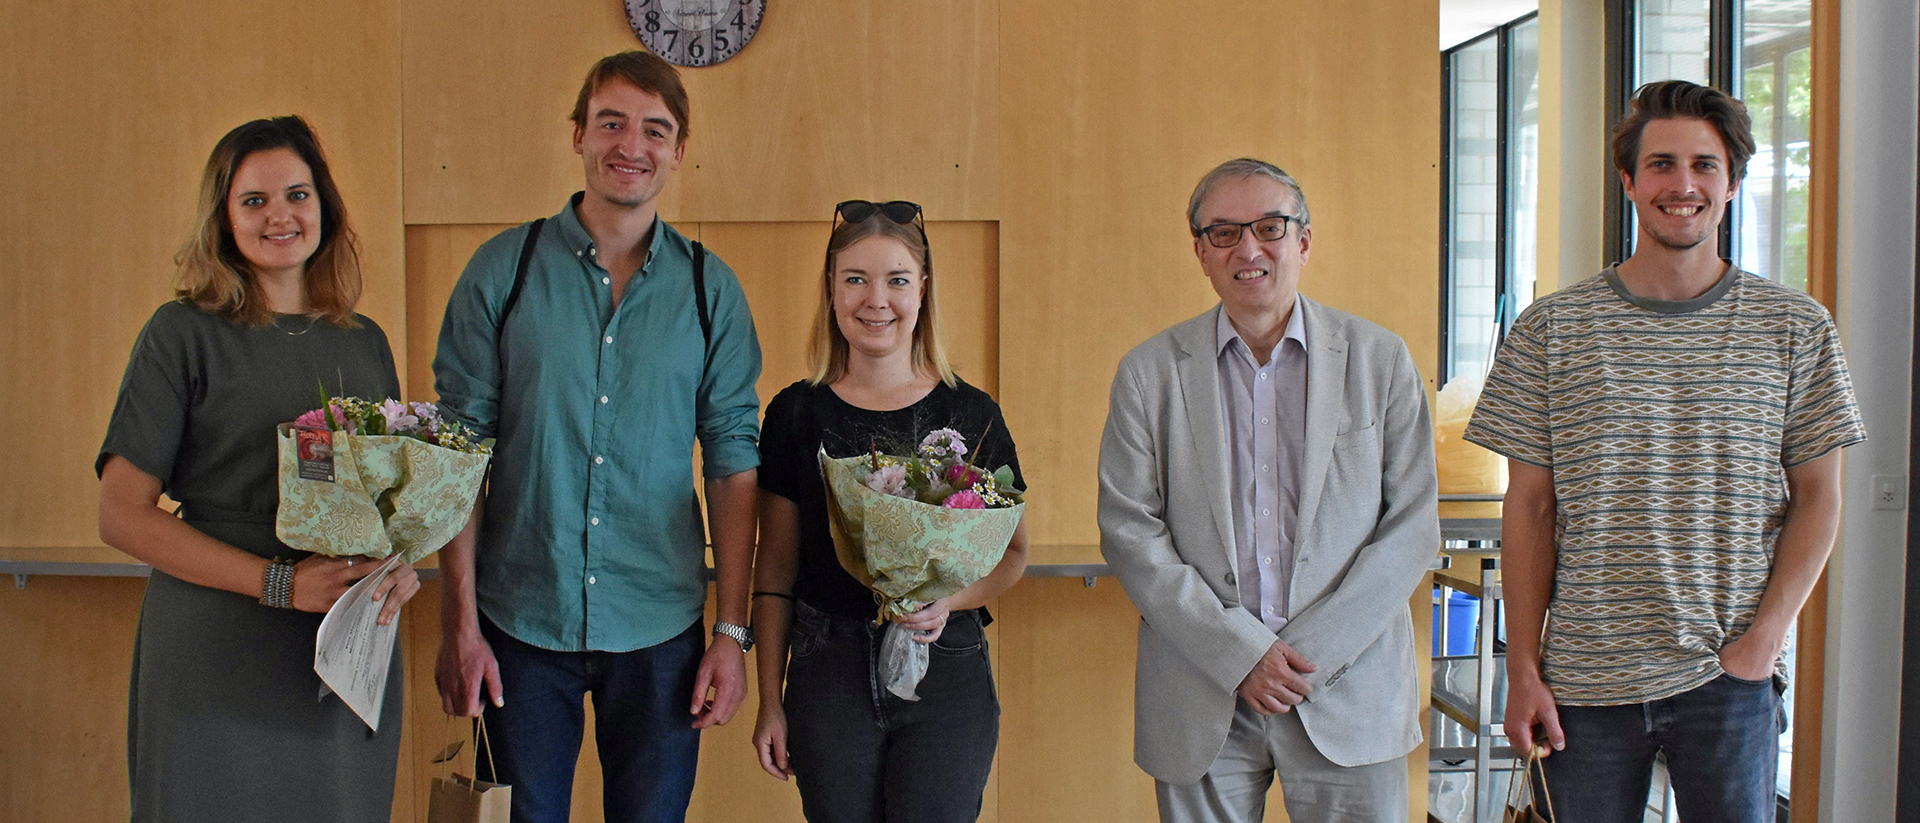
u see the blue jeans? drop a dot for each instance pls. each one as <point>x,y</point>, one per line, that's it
<point>648,746</point>
<point>862,755</point>
<point>1722,745</point>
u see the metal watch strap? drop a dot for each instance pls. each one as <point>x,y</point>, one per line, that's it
<point>740,634</point>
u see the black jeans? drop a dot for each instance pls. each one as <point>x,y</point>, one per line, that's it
<point>862,755</point>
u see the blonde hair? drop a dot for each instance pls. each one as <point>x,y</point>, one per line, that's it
<point>212,273</point>
<point>828,351</point>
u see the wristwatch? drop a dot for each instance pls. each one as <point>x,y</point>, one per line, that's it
<point>740,634</point>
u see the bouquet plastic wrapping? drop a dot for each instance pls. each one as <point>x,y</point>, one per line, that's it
<point>911,552</point>
<point>384,480</point>
<point>346,491</point>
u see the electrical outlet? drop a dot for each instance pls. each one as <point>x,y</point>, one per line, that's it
<point>1889,491</point>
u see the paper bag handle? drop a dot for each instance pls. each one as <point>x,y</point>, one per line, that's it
<point>482,742</point>
<point>1524,786</point>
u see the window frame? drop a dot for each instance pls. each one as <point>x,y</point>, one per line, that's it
<point>1503,286</point>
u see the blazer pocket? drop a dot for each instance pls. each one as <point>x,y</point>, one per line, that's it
<point>1347,439</point>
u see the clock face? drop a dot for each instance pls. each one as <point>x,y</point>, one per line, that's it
<point>695,32</point>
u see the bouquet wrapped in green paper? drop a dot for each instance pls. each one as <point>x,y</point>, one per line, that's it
<point>376,479</point>
<point>916,529</point>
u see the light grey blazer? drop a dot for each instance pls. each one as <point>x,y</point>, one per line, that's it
<point>1368,530</point>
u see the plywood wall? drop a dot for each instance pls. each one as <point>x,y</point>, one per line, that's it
<point>1052,143</point>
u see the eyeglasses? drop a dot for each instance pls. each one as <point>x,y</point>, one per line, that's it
<point>898,211</point>
<point>1227,235</point>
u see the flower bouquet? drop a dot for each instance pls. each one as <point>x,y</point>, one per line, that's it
<point>376,479</point>
<point>915,529</point>
<point>389,480</point>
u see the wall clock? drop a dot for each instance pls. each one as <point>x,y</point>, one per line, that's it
<point>695,32</point>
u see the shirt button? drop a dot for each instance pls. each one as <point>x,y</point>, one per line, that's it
<point>1268,610</point>
<point>1263,375</point>
<point>1267,560</point>
<point>1264,421</point>
<point>594,521</point>
<point>609,338</point>
<point>578,253</point>
<point>1265,512</point>
<point>590,581</point>
<point>603,399</point>
<point>597,460</point>
<point>604,281</point>
<point>1265,468</point>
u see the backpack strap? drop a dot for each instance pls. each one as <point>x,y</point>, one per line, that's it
<point>700,292</point>
<point>513,295</point>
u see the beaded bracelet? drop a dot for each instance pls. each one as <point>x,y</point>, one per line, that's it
<point>276,584</point>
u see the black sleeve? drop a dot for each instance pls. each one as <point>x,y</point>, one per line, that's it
<point>784,452</point>
<point>150,415</point>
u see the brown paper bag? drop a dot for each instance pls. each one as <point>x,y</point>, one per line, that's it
<point>1522,805</point>
<point>458,798</point>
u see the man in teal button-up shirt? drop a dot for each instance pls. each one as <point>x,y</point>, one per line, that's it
<point>583,572</point>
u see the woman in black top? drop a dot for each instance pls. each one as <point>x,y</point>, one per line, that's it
<point>880,381</point>
<point>223,723</point>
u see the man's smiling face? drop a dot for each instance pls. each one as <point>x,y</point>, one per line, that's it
<point>1680,186</point>
<point>1253,277</point>
<point>629,145</point>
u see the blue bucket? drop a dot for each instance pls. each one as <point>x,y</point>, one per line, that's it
<point>1463,619</point>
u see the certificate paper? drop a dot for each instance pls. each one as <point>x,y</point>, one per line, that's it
<point>353,651</point>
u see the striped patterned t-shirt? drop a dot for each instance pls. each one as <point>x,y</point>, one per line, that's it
<point>1668,426</point>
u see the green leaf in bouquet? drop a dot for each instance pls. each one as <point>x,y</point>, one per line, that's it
<point>326,406</point>
<point>1003,477</point>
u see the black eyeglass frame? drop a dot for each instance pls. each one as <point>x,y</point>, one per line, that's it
<point>1240,229</point>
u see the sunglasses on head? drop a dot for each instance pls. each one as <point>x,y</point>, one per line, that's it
<point>898,211</point>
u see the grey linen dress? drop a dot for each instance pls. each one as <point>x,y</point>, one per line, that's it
<point>224,720</point>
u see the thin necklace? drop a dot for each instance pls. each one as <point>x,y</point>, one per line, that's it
<point>310,322</point>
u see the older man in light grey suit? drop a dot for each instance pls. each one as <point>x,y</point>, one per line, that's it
<point>1267,498</point>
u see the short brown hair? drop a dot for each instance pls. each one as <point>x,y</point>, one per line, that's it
<point>216,277</point>
<point>647,73</point>
<point>1679,98</point>
<point>828,352</point>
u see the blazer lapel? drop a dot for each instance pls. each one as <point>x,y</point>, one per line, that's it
<point>1199,373</point>
<point>1326,410</point>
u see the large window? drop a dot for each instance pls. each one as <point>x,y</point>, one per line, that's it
<point>1492,187</point>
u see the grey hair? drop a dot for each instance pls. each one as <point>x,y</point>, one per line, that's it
<point>1242,168</point>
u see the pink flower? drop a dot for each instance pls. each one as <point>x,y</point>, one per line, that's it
<point>962,477</point>
<point>398,420</point>
<point>889,480</point>
<point>965,499</point>
<point>318,419</point>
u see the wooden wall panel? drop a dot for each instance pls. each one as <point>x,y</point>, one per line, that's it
<point>436,255</point>
<point>1119,110</point>
<point>832,100</point>
<point>111,112</point>
<point>67,652</point>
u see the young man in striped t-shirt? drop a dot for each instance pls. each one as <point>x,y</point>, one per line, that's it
<point>1674,428</point>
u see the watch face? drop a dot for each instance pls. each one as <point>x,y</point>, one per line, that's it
<point>695,32</point>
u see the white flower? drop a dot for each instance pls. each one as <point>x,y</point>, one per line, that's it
<point>890,479</point>
<point>943,443</point>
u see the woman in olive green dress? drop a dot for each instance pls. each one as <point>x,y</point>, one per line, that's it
<point>223,721</point>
